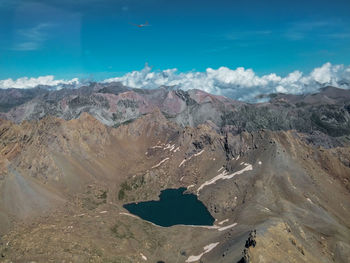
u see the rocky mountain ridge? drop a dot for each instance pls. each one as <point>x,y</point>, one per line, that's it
<point>323,113</point>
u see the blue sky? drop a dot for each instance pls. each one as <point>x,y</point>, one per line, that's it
<point>95,39</point>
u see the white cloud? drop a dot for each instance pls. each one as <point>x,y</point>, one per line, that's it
<point>240,83</point>
<point>32,38</point>
<point>25,82</point>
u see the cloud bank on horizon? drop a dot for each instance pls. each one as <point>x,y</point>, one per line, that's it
<point>240,84</point>
<point>28,83</point>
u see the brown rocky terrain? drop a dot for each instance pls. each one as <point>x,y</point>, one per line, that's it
<point>277,195</point>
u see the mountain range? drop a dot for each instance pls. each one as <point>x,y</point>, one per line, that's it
<point>274,175</point>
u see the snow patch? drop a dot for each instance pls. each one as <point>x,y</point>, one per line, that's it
<point>309,200</point>
<point>127,214</point>
<point>156,146</point>
<point>223,221</point>
<point>162,161</point>
<point>197,154</point>
<point>183,161</point>
<point>207,249</point>
<point>227,227</point>
<point>143,256</point>
<point>200,226</point>
<point>224,176</point>
<point>169,147</point>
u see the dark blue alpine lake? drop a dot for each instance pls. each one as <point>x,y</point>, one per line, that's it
<point>173,208</point>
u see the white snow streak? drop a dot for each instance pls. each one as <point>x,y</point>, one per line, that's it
<point>207,249</point>
<point>197,154</point>
<point>227,227</point>
<point>223,221</point>
<point>168,146</point>
<point>156,146</point>
<point>224,176</point>
<point>183,161</point>
<point>221,169</point>
<point>143,256</point>
<point>127,214</point>
<point>162,161</point>
<point>309,200</point>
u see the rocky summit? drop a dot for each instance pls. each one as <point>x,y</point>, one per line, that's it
<point>275,176</point>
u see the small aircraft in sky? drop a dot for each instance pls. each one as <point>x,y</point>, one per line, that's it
<point>141,25</point>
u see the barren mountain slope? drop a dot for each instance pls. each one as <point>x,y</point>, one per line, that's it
<point>63,184</point>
